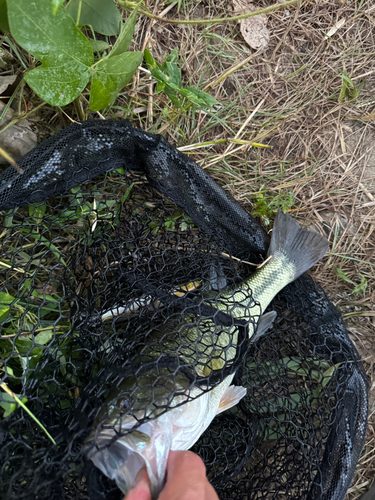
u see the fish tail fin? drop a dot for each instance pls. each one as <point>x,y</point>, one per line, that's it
<point>301,248</point>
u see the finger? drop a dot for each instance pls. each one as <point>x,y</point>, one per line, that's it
<point>141,490</point>
<point>186,478</point>
<point>210,493</point>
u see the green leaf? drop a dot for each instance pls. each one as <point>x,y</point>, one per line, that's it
<point>58,86</point>
<point>56,4</point>
<point>4,25</point>
<point>99,45</point>
<point>343,276</point>
<point>173,97</point>
<point>43,337</point>
<point>47,243</point>
<point>110,78</point>
<point>150,61</point>
<point>127,193</point>
<point>328,374</point>
<point>5,298</point>
<point>102,15</point>
<point>23,345</point>
<point>198,97</point>
<point>158,74</point>
<point>5,301</point>
<point>8,404</point>
<point>37,211</point>
<point>55,40</point>
<point>349,90</point>
<point>172,68</point>
<point>62,359</point>
<point>168,77</point>
<point>160,86</point>
<point>168,73</point>
<point>362,286</point>
<point>126,35</point>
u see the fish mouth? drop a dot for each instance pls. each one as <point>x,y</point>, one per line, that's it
<point>122,457</point>
<point>116,460</point>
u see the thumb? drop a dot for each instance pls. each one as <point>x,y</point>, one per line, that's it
<point>141,490</point>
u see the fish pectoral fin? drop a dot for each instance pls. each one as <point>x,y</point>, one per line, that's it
<point>218,281</point>
<point>231,397</point>
<point>264,323</point>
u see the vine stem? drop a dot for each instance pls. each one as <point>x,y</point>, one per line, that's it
<point>131,6</point>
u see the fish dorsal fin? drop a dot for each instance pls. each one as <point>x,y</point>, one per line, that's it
<point>264,324</point>
<point>231,397</point>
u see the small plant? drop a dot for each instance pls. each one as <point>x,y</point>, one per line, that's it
<point>70,60</point>
<point>357,288</point>
<point>266,206</point>
<point>48,32</point>
<point>349,90</point>
<point>168,76</point>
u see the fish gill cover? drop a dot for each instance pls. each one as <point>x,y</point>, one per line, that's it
<point>111,244</point>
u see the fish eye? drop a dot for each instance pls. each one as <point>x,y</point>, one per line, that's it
<point>125,405</point>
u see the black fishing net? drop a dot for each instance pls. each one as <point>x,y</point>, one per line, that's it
<point>111,242</point>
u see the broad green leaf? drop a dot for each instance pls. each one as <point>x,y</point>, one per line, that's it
<point>198,97</point>
<point>99,45</point>
<point>110,78</point>
<point>126,35</point>
<point>56,4</point>
<point>33,360</point>
<point>102,15</point>
<point>328,374</point>
<point>55,40</point>
<point>5,301</point>
<point>43,337</point>
<point>23,345</point>
<point>8,404</point>
<point>8,370</point>
<point>4,25</point>
<point>5,298</point>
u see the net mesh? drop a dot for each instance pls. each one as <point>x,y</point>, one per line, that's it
<point>111,242</point>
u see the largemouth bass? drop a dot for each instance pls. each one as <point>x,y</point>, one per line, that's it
<point>191,408</point>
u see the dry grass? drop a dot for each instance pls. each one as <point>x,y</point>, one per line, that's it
<point>323,148</point>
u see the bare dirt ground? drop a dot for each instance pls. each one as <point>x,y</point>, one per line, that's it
<point>292,94</point>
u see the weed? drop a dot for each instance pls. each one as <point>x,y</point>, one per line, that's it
<point>266,206</point>
<point>357,288</point>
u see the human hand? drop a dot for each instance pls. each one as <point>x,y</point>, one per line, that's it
<point>185,480</point>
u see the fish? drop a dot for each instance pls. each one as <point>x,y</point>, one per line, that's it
<point>176,413</point>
